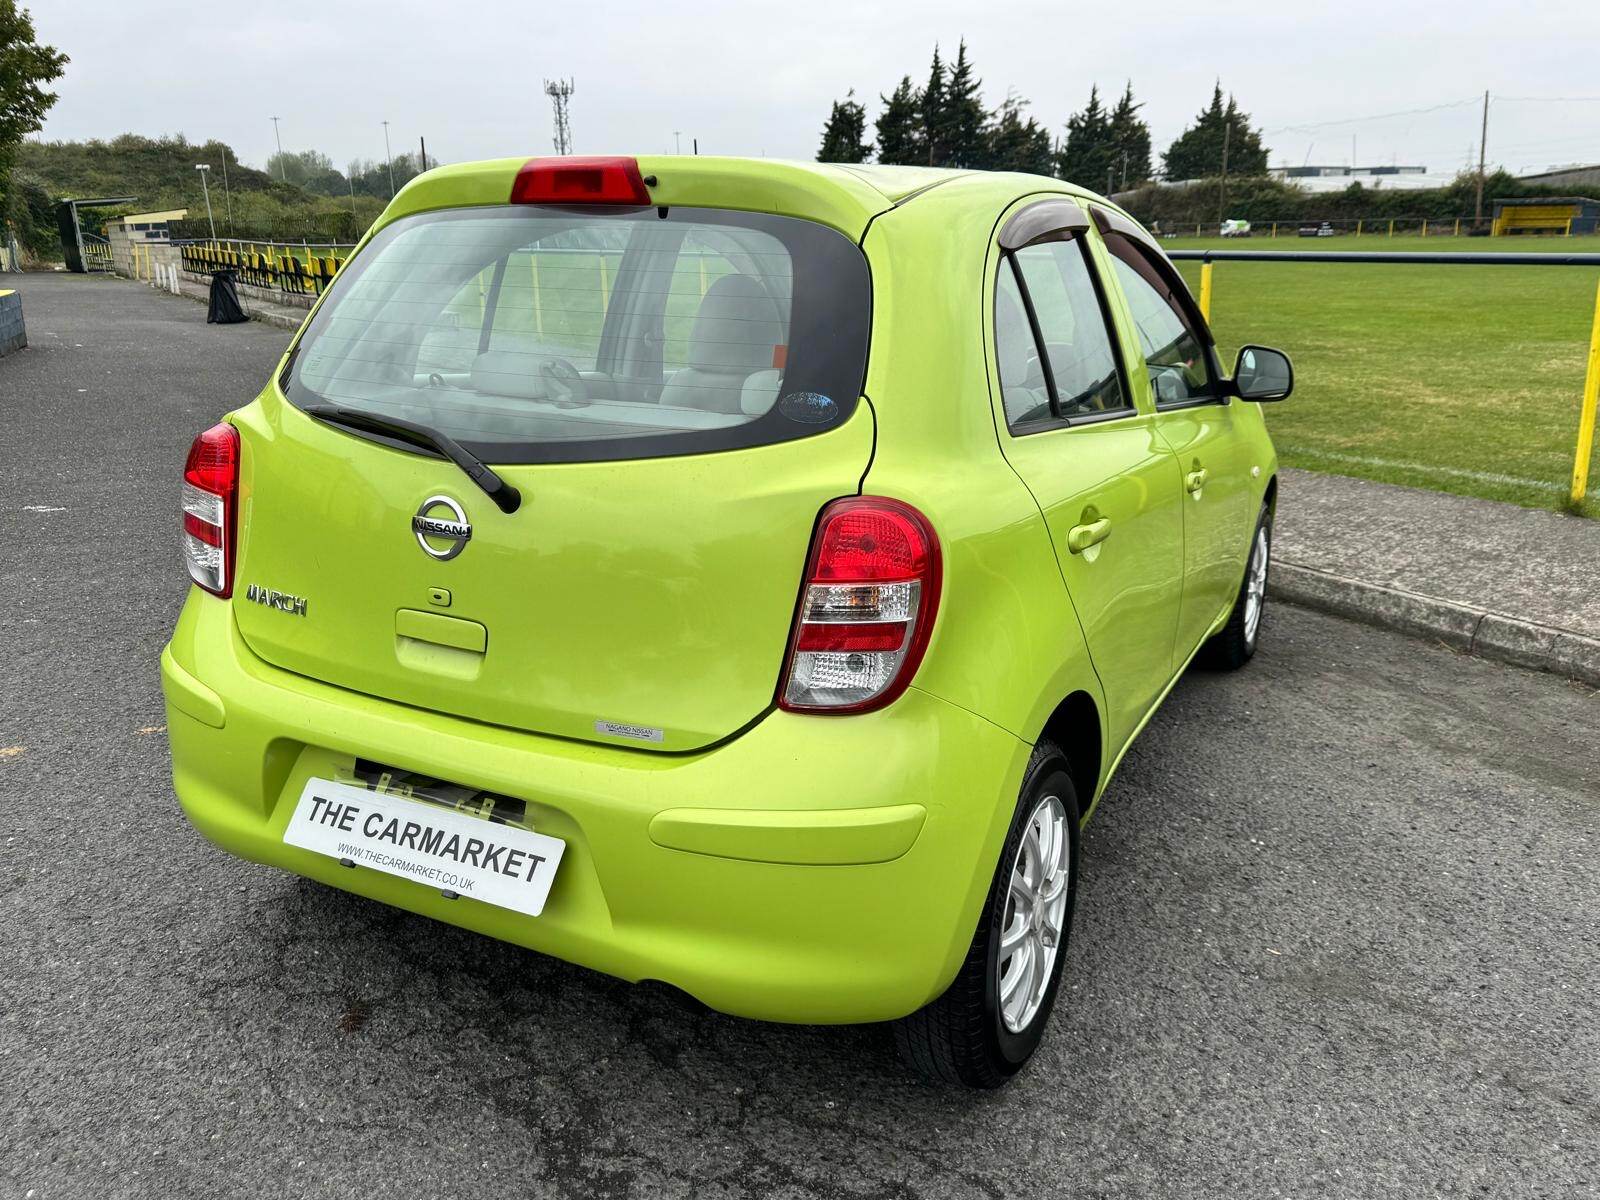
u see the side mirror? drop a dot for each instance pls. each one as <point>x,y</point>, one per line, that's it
<point>1262,374</point>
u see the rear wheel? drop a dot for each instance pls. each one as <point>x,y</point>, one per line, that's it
<point>1235,643</point>
<point>990,1020</point>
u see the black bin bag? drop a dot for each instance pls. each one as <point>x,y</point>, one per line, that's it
<point>225,308</point>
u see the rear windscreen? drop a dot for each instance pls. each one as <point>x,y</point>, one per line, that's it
<point>550,335</point>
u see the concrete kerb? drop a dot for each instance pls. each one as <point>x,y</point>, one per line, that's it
<point>1473,630</point>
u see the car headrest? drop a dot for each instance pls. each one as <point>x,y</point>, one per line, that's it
<point>508,373</point>
<point>737,328</point>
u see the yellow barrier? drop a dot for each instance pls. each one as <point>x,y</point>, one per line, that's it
<point>1591,392</point>
<point>1205,291</point>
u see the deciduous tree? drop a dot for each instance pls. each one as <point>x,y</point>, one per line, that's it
<point>27,68</point>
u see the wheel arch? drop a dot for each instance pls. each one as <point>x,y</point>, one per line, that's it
<point>1075,726</point>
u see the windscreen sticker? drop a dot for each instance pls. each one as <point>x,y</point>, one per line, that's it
<point>808,408</point>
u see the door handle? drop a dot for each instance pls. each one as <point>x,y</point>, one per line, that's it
<point>1081,537</point>
<point>1195,480</point>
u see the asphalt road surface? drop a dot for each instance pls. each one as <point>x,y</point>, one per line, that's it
<point>1338,934</point>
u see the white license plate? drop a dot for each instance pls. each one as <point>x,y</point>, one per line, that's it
<point>484,860</point>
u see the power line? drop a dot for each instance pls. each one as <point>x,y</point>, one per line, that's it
<point>1408,112</point>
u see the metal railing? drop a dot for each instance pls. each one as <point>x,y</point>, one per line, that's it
<point>96,253</point>
<point>1378,227</point>
<point>302,270</point>
<point>1591,379</point>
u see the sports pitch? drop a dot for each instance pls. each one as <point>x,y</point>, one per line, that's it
<point>1458,378</point>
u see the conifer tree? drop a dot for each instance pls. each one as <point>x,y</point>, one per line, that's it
<point>933,112</point>
<point>963,139</point>
<point>1087,156</point>
<point>1130,141</point>
<point>1198,151</point>
<point>901,140</point>
<point>843,136</point>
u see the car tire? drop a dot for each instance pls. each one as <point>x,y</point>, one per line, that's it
<point>974,1034</point>
<point>1235,643</point>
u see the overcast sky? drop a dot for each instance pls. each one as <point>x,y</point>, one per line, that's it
<point>753,78</point>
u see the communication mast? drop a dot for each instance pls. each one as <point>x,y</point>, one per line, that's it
<point>559,92</point>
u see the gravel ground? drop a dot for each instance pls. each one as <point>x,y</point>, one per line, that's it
<point>1338,933</point>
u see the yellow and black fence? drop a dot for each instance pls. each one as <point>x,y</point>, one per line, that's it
<point>1552,222</point>
<point>296,270</point>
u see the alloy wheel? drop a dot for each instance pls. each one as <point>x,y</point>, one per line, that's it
<point>1255,584</point>
<point>1036,904</point>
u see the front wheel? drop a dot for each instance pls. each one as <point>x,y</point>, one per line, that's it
<point>1235,643</point>
<point>990,1020</point>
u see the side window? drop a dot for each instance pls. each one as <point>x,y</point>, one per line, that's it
<point>1174,353</point>
<point>1077,345</point>
<point>1075,371</point>
<point>1017,354</point>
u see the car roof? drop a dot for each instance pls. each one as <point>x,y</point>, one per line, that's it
<point>844,195</point>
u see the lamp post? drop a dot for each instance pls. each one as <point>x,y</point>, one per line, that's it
<point>388,158</point>
<point>282,174</point>
<point>205,173</point>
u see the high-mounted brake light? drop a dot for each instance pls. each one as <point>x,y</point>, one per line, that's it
<point>870,596</point>
<point>575,180</point>
<point>211,508</point>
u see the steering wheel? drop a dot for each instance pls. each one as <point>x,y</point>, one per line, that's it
<point>564,387</point>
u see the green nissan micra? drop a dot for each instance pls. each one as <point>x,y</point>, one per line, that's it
<point>735,574</point>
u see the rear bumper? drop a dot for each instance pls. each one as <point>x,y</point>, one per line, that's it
<point>813,869</point>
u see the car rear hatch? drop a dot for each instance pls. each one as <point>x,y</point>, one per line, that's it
<point>673,391</point>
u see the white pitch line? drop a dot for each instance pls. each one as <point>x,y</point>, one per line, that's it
<point>1425,469</point>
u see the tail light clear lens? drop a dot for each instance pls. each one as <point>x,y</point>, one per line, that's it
<point>210,508</point>
<point>870,595</point>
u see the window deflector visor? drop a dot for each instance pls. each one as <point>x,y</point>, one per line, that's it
<point>1055,220</point>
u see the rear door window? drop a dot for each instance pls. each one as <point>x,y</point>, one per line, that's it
<point>543,335</point>
<point>1072,364</point>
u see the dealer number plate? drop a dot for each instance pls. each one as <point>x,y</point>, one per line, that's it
<point>484,860</point>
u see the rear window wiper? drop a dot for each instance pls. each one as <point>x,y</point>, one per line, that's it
<point>505,496</point>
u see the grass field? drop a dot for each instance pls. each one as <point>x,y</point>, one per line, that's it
<point>1459,378</point>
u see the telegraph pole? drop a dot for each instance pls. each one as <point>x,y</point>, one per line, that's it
<point>1222,187</point>
<point>388,158</point>
<point>1483,141</point>
<point>279,137</point>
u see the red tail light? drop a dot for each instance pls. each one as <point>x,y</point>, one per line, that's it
<point>211,508</point>
<point>871,593</point>
<point>576,180</point>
